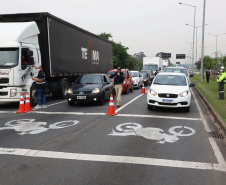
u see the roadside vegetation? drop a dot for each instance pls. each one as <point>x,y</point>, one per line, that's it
<point>211,93</point>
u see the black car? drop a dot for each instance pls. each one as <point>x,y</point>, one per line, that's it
<point>90,88</point>
<point>146,78</point>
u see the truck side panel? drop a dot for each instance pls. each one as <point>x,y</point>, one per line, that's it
<point>66,45</point>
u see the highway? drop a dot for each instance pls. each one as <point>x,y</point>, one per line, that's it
<point>81,145</point>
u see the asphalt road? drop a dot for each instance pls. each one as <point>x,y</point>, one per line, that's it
<point>81,145</point>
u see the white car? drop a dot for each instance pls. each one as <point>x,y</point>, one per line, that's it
<point>137,79</point>
<point>179,70</point>
<point>170,90</point>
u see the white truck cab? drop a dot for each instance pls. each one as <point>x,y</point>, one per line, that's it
<point>17,40</point>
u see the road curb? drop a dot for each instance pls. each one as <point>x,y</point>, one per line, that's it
<point>217,117</point>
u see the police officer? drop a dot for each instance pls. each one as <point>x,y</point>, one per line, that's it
<point>221,80</point>
<point>118,83</point>
<point>40,87</point>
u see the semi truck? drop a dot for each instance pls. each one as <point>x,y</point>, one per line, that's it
<point>152,63</point>
<point>64,50</point>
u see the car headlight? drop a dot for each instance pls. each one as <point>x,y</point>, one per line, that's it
<point>124,82</point>
<point>183,94</point>
<point>69,91</point>
<point>144,79</point>
<point>136,81</point>
<point>152,92</point>
<point>13,92</point>
<point>96,90</point>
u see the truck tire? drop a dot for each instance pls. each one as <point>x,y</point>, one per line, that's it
<point>33,96</point>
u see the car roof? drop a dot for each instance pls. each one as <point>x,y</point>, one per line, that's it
<point>135,71</point>
<point>175,68</point>
<point>168,73</point>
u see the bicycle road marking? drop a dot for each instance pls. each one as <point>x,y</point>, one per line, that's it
<point>112,159</point>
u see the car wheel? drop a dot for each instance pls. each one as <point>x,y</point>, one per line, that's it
<point>138,86</point>
<point>131,90</point>
<point>33,96</point>
<point>150,107</point>
<point>102,100</point>
<point>187,109</point>
<point>127,90</point>
<point>70,103</point>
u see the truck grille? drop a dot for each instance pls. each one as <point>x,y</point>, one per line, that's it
<point>4,80</point>
<point>3,93</point>
<point>165,95</point>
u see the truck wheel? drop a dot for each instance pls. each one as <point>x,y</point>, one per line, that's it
<point>33,96</point>
<point>64,88</point>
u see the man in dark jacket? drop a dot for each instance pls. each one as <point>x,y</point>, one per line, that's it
<point>118,83</point>
<point>40,87</point>
<point>207,75</point>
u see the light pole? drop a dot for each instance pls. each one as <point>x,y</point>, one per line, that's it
<point>216,55</point>
<point>203,31</point>
<point>193,34</point>
<point>196,40</point>
<point>191,51</point>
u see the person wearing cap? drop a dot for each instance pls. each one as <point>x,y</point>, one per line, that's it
<point>221,80</point>
<point>118,83</point>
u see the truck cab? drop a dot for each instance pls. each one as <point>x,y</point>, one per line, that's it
<point>18,51</point>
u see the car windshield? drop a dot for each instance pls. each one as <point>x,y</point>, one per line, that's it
<point>89,79</point>
<point>143,74</point>
<point>134,74</point>
<point>177,80</point>
<point>9,57</point>
<point>151,67</point>
<point>172,70</point>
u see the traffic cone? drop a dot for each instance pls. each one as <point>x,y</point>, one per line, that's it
<point>21,107</point>
<point>111,108</point>
<point>143,89</point>
<point>27,103</point>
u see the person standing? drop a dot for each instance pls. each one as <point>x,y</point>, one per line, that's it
<point>207,76</point>
<point>40,87</point>
<point>221,80</point>
<point>118,83</point>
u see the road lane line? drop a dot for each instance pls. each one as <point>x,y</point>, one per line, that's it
<point>112,159</point>
<point>131,101</point>
<point>217,152</point>
<point>7,112</point>
<point>201,113</point>
<point>55,103</point>
<point>119,115</point>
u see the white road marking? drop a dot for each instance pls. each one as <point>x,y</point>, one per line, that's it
<point>65,113</point>
<point>131,101</point>
<point>3,112</point>
<point>55,103</point>
<point>112,159</point>
<point>213,143</point>
<point>201,113</point>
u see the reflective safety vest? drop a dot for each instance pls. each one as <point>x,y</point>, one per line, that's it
<point>222,77</point>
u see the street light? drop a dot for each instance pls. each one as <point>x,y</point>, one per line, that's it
<point>193,34</point>
<point>196,39</point>
<point>216,42</point>
<point>191,50</point>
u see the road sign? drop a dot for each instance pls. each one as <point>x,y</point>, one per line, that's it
<point>166,55</point>
<point>180,56</point>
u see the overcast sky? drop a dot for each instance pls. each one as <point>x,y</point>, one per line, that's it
<point>150,26</point>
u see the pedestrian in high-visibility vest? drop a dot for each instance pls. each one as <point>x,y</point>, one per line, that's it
<point>221,80</point>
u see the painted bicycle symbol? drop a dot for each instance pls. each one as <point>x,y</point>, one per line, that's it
<point>29,126</point>
<point>136,129</point>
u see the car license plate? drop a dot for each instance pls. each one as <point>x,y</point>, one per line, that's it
<point>167,101</point>
<point>81,97</point>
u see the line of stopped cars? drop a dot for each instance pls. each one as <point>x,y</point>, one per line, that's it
<point>99,87</point>
<point>171,89</point>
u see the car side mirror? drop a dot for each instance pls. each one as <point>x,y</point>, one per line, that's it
<point>192,85</point>
<point>191,75</point>
<point>30,61</point>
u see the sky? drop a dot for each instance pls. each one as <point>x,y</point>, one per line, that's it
<point>148,26</point>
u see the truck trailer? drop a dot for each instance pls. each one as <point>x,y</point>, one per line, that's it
<point>65,51</point>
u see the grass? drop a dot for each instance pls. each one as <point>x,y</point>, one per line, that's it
<point>210,91</point>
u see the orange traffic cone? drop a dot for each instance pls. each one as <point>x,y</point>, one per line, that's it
<point>143,89</point>
<point>21,107</point>
<point>27,103</point>
<point>111,108</point>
